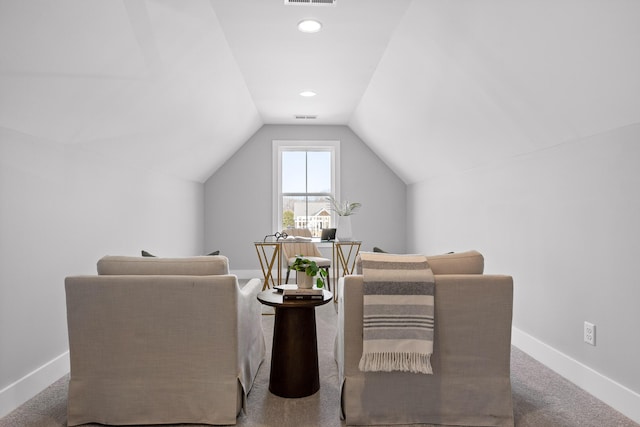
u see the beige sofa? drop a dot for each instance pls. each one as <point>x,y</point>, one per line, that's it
<point>161,340</point>
<point>471,383</point>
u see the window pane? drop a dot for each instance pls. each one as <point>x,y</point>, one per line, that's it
<point>319,172</point>
<point>319,216</point>
<point>293,172</point>
<point>290,209</point>
<point>305,212</point>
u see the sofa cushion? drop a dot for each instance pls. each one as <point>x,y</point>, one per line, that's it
<point>190,266</point>
<point>469,262</point>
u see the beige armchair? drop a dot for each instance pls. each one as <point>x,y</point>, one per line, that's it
<point>308,249</point>
<point>471,383</point>
<point>161,341</point>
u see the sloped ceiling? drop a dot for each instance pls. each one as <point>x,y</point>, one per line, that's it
<point>432,86</point>
<point>150,83</point>
<point>466,83</point>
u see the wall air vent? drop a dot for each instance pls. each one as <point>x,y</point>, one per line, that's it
<point>311,2</point>
<point>303,117</point>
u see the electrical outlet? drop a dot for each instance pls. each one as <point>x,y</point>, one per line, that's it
<point>589,333</point>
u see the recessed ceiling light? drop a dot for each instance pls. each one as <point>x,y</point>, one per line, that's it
<point>308,93</point>
<point>309,26</point>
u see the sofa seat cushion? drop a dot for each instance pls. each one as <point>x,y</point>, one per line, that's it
<point>156,266</point>
<point>469,262</point>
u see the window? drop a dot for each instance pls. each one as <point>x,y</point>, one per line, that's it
<point>306,173</point>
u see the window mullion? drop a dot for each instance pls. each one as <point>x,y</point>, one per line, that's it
<point>306,187</point>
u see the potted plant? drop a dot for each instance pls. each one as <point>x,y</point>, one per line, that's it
<point>344,210</point>
<point>309,269</point>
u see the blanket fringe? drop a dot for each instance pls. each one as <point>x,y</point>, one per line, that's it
<point>416,363</point>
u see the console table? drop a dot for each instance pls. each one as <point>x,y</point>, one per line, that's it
<point>269,254</point>
<point>343,253</point>
<point>344,257</point>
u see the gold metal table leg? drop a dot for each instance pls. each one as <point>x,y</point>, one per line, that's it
<point>267,262</point>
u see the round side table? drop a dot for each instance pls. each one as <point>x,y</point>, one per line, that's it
<point>294,356</point>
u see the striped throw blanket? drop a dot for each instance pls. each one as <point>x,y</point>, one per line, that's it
<point>398,309</point>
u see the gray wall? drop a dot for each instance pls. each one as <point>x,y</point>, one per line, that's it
<point>61,209</point>
<point>238,197</point>
<point>564,223</point>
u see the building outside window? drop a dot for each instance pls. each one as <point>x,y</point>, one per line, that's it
<point>306,174</point>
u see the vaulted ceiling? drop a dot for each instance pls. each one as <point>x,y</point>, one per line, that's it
<point>432,86</point>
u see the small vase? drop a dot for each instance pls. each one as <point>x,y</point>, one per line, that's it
<point>304,281</point>
<point>343,231</point>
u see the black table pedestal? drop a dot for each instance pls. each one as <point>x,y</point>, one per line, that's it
<point>294,357</point>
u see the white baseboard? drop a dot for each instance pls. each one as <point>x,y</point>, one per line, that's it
<point>14,395</point>
<point>248,274</point>
<point>614,394</point>
<point>256,274</point>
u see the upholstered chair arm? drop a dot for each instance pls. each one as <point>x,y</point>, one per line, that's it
<point>251,342</point>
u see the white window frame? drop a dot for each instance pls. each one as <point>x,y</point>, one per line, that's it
<point>302,145</point>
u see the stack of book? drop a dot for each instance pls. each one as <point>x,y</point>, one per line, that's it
<point>293,294</point>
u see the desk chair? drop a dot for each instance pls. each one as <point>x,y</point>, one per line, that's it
<point>307,249</point>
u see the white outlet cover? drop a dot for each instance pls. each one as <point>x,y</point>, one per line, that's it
<point>590,333</point>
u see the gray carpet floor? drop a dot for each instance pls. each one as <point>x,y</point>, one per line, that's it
<point>541,397</point>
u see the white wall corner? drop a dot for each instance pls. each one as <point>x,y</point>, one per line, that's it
<point>15,394</point>
<point>619,397</point>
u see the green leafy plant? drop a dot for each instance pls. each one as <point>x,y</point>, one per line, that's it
<point>310,268</point>
<point>345,208</point>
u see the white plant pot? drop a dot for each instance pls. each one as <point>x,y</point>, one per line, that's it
<point>343,230</point>
<point>304,281</point>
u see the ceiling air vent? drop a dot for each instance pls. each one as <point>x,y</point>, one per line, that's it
<point>311,2</point>
<point>303,117</point>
